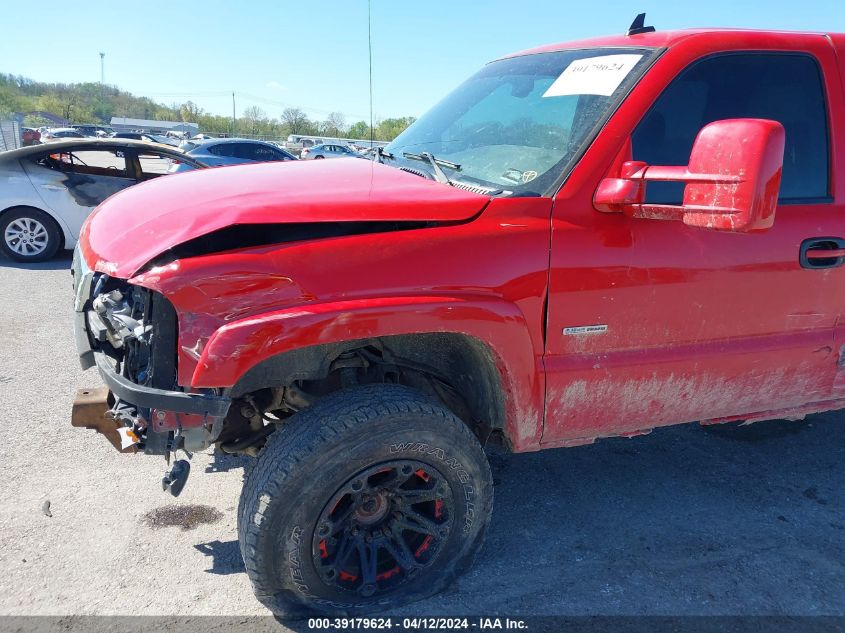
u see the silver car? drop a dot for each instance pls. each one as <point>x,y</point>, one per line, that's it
<point>49,190</point>
<point>219,152</point>
<point>328,150</point>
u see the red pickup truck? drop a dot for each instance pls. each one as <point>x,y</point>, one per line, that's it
<point>583,240</point>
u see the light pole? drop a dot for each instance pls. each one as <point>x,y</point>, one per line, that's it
<point>102,84</point>
<point>370,50</point>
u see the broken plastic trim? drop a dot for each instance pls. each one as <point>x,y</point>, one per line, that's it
<point>145,397</point>
<point>239,236</point>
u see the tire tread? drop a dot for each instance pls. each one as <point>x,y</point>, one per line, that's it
<point>306,435</point>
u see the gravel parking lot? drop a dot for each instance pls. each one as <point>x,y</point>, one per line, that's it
<point>684,521</point>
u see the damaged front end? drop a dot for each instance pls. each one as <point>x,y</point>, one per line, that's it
<point>130,334</point>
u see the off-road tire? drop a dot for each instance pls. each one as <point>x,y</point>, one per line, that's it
<point>324,448</point>
<point>53,234</point>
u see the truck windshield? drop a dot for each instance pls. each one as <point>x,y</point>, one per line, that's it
<point>520,123</point>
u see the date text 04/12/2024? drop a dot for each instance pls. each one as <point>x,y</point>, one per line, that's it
<point>414,624</point>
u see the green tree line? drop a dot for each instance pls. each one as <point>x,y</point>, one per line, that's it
<point>96,103</point>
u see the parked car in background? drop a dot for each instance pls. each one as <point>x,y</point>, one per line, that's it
<point>144,136</point>
<point>328,150</point>
<point>49,190</point>
<point>230,151</point>
<point>93,130</point>
<point>299,141</point>
<point>30,136</point>
<point>167,140</point>
<point>197,137</point>
<point>54,133</point>
<point>280,145</point>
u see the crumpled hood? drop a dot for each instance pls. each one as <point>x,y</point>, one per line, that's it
<point>132,227</point>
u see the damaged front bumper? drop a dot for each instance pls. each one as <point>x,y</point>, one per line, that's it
<point>145,397</point>
<point>152,412</point>
<point>91,408</point>
<point>82,278</point>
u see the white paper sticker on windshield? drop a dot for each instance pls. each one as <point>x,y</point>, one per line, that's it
<point>593,76</point>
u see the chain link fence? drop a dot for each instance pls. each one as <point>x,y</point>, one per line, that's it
<point>10,135</point>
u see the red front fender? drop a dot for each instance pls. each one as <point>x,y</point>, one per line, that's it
<point>240,345</point>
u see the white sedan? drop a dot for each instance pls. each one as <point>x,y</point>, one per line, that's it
<point>47,191</point>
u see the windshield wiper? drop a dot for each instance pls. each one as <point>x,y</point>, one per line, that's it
<point>435,163</point>
<point>381,153</point>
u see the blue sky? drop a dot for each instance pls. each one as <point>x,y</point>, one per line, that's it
<point>276,54</point>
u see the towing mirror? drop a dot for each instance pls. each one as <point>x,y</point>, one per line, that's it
<point>732,180</point>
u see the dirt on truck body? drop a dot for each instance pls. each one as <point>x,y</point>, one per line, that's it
<point>585,240</point>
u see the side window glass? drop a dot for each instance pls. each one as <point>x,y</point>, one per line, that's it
<point>153,165</point>
<point>241,150</point>
<point>783,87</point>
<point>262,153</point>
<point>232,150</point>
<point>99,162</point>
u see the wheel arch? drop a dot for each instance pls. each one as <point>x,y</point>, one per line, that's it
<point>65,236</point>
<point>463,362</point>
<point>483,350</point>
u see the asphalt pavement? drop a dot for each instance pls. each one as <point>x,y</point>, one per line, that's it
<point>685,521</point>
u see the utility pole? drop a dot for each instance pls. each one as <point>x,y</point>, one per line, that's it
<point>102,84</point>
<point>370,48</point>
<point>233,113</point>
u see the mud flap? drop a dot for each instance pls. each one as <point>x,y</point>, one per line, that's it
<point>91,411</point>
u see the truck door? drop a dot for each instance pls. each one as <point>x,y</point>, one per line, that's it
<point>652,322</point>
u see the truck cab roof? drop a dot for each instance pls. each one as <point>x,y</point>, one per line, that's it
<point>720,37</point>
